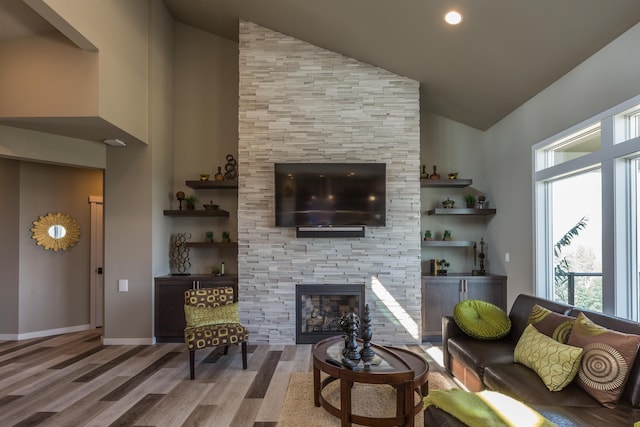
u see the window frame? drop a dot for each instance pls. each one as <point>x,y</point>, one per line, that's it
<point>616,158</point>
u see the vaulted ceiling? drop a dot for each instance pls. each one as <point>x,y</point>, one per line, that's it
<point>503,52</point>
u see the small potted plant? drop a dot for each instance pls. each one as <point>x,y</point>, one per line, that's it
<point>427,235</point>
<point>443,265</point>
<point>191,202</point>
<point>226,237</point>
<point>470,200</point>
<point>446,235</point>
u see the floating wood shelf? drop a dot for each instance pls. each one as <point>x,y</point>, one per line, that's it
<point>196,212</point>
<point>447,243</point>
<point>216,185</point>
<point>211,244</point>
<point>451,183</point>
<point>461,211</point>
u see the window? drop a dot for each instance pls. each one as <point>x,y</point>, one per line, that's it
<point>577,239</point>
<point>586,183</point>
<point>572,146</point>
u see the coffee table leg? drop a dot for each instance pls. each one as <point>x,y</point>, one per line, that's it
<point>345,402</point>
<point>404,403</point>
<point>316,386</point>
<point>408,403</point>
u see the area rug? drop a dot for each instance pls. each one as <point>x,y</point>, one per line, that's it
<point>367,400</point>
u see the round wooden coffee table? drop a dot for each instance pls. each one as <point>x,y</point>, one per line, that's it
<point>407,372</point>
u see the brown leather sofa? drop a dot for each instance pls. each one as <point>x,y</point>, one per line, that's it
<point>481,364</point>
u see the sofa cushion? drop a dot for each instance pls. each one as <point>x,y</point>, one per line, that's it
<point>202,316</point>
<point>555,363</point>
<point>481,319</point>
<point>607,360</point>
<point>518,381</point>
<point>476,354</point>
<point>632,389</point>
<point>555,325</point>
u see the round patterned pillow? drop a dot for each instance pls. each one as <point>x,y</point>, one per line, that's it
<point>482,320</point>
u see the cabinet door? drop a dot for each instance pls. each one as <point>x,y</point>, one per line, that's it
<point>440,294</point>
<point>491,289</point>
<point>169,315</point>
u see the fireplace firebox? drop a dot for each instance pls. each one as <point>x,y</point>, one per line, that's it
<point>320,307</point>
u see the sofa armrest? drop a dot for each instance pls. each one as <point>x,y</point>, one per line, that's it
<point>449,329</point>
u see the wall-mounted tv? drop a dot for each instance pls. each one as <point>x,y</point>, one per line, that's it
<point>330,194</point>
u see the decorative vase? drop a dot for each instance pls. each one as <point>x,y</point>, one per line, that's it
<point>435,174</point>
<point>219,176</point>
<point>424,174</point>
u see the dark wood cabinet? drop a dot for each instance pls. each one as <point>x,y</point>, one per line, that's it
<point>440,294</point>
<point>169,302</point>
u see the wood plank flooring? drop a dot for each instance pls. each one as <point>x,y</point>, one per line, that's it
<point>73,380</point>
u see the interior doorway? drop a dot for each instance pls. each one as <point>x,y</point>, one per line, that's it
<point>96,311</point>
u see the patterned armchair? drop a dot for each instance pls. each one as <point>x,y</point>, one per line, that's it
<point>212,321</point>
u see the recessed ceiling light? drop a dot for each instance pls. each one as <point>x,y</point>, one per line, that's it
<point>453,17</point>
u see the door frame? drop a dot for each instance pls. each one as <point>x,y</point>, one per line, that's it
<point>96,286</point>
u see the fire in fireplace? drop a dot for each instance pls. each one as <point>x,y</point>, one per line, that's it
<point>320,307</point>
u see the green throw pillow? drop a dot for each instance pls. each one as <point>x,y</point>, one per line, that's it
<point>555,363</point>
<point>202,316</point>
<point>481,319</point>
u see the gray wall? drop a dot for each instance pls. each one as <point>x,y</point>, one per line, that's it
<point>9,253</point>
<point>206,131</point>
<point>454,147</point>
<point>301,103</point>
<point>43,290</point>
<point>602,81</point>
<point>136,192</point>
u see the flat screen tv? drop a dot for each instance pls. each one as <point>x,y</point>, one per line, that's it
<point>330,194</point>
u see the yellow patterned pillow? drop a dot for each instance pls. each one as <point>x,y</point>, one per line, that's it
<point>202,316</point>
<point>555,363</point>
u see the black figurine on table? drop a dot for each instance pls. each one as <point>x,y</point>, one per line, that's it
<point>350,323</point>
<point>366,353</point>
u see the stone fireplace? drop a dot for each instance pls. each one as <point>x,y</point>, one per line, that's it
<point>301,103</point>
<point>319,309</point>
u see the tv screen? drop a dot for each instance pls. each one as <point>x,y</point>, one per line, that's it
<point>330,194</point>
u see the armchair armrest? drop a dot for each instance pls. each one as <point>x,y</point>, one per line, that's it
<point>449,330</point>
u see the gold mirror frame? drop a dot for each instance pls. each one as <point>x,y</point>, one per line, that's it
<point>43,238</point>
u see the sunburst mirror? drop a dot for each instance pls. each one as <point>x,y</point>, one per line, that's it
<point>56,231</point>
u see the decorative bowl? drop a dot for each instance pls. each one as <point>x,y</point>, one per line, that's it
<point>453,175</point>
<point>204,176</point>
<point>210,207</point>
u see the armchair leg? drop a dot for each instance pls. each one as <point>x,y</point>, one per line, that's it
<point>226,349</point>
<point>192,363</point>
<point>244,355</point>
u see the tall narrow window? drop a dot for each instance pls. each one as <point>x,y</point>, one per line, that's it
<point>577,239</point>
<point>634,291</point>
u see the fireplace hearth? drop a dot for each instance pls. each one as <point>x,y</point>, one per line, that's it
<point>320,307</point>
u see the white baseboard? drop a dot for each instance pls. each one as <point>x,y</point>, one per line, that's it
<point>47,333</point>
<point>128,341</point>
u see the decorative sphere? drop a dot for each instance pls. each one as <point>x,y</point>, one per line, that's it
<point>180,195</point>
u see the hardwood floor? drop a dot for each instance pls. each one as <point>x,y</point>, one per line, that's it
<point>73,380</point>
